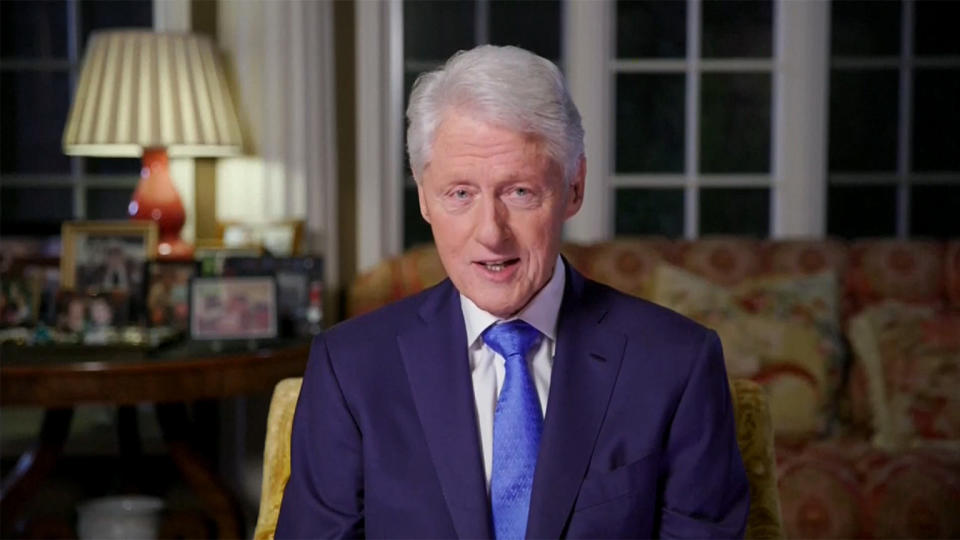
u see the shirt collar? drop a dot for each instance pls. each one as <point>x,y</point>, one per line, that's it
<point>541,313</point>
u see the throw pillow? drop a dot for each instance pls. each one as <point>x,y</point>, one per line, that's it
<point>782,332</point>
<point>911,357</point>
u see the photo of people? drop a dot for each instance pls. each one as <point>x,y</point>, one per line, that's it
<point>17,302</point>
<point>109,263</point>
<point>168,291</point>
<point>85,313</point>
<point>299,289</point>
<point>233,308</point>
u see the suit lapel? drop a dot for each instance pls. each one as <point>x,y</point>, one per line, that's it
<point>435,356</point>
<point>585,367</point>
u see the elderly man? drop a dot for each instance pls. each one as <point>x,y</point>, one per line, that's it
<point>516,398</point>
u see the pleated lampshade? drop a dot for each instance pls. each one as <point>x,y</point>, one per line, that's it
<point>154,95</point>
<point>141,89</point>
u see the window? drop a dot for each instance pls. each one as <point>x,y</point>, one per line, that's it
<point>692,122</point>
<point>42,44</point>
<point>434,30</point>
<point>894,130</point>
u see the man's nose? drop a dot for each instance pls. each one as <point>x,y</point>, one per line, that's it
<point>493,227</point>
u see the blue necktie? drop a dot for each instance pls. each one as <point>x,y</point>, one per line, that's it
<point>517,424</point>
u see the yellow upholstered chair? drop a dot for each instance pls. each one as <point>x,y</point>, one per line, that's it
<point>276,455</point>
<point>754,435</point>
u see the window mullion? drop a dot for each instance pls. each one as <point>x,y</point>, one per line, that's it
<point>904,119</point>
<point>481,22</point>
<point>77,163</point>
<point>691,213</point>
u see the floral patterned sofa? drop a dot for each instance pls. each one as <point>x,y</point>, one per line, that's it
<point>857,345</point>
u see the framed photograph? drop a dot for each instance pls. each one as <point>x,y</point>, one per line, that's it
<point>279,238</point>
<point>79,312</point>
<point>224,308</point>
<point>15,249</point>
<point>44,274</point>
<point>212,255</point>
<point>106,256</point>
<point>299,289</point>
<point>168,293</point>
<point>19,300</point>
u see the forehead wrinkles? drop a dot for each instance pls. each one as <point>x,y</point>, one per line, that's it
<point>470,142</point>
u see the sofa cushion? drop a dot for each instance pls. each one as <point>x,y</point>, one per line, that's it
<point>820,493</point>
<point>805,257</point>
<point>781,331</point>
<point>396,278</point>
<point>722,260</point>
<point>847,488</point>
<point>906,270</point>
<point>627,264</point>
<point>910,356</point>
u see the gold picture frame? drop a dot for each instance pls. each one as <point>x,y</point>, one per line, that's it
<point>280,238</point>
<point>86,246</point>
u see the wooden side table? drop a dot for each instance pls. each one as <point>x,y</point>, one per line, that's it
<point>60,378</point>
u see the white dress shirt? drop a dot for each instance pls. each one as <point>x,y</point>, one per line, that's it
<point>488,368</point>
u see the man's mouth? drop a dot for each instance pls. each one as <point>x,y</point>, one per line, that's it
<point>498,266</point>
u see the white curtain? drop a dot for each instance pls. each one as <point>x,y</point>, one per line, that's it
<point>280,54</point>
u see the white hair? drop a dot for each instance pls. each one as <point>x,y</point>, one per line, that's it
<point>507,86</point>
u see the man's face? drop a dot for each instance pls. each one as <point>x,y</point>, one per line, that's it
<point>496,203</point>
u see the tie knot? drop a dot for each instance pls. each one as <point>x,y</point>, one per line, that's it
<point>511,338</point>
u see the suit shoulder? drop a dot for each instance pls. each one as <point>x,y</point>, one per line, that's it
<point>384,321</point>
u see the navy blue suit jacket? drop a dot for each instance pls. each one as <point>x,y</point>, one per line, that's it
<point>638,440</point>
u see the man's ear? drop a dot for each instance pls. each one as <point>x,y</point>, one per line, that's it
<point>575,189</point>
<point>424,211</point>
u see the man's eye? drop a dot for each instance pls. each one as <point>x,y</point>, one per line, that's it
<point>521,193</point>
<point>460,194</point>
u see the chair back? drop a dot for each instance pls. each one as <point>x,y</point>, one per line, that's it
<point>755,439</point>
<point>754,436</point>
<point>276,455</point>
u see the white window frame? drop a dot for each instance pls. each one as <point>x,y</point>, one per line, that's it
<point>799,68</point>
<point>798,100</point>
<point>905,62</point>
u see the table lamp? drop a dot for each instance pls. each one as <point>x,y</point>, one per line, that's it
<point>153,95</point>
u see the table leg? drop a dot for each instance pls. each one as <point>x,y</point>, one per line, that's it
<point>217,500</point>
<point>22,482</point>
<point>131,450</point>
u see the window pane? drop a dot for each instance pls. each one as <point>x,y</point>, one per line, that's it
<point>435,29</point>
<point>34,107</point>
<point>35,210</point>
<point>933,210</point>
<point>415,229</point>
<point>936,121</point>
<point>735,211</point>
<point>861,211</point>
<point>936,27</point>
<point>115,166</point>
<point>735,123</point>
<point>865,28</point>
<point>650,117</point>
<point>651,29</point>
<point>108,203</point>
<point>863,120</point>
<point>98,14</point>
<point>649,211</point>
<point>737,28</point>
<point>535,26</point>
<point>32,29</point>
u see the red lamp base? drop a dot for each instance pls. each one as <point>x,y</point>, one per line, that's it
<point>156,199</point>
